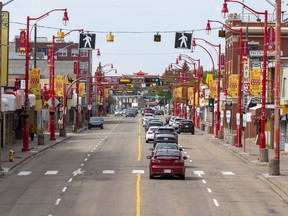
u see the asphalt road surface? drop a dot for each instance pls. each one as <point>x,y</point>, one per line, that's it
<point>105,172</point>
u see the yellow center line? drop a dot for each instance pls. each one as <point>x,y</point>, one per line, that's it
<point>139,145</point>
<point>138,197</point>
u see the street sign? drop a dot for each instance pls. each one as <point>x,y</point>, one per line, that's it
<point>125,81</point>
<point>56,102</point>
<point>87,41</point>
<point>183,40</point>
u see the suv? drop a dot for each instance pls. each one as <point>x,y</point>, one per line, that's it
<point>186,125</point>
<point>166,130</point>
<point>95,121</point>
<point>165,138</point>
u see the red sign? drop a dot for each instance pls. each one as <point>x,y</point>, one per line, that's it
<point>49,56</point>
<point>75,68</point>
<point>22,42</point>
<point>222,62</point>
<point>271,39</point>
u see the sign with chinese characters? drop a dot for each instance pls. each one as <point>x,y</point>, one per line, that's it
<point>255,82</point>
<point>233,85</point>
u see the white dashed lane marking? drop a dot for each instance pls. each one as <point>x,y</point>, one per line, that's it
<point>24,173</point>
<point>51,172</point>
<point>108,171</point>
<point>138,171</point>
<point>227,173</point>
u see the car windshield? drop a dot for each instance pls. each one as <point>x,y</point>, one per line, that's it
<point>166,146</point>
<point>95,119</point>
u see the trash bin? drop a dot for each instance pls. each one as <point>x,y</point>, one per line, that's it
<point>232,139</point>
<point>202,127</point>
<point>220,134</point>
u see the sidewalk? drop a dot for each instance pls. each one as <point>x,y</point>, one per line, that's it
<point>20,156</point>
<point>277,183</point>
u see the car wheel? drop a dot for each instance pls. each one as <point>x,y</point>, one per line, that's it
<point>193,132</point>
<point>151,176</point>
<point>102,127</point>
<point>89,128</point>
<point>147,141</point>
<point>182,177</point>
<point>178,132</point>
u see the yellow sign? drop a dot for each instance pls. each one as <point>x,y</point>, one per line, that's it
<point>190,94</point>
<point>233,85</point>
<point>82,89</point>
<point>4,48</point>
<point>125,81</point>
<point>284,109</point>
<point>209,77</point>
<point>34,81</point>
<point>58,86</point>
<point>255,82</point>
<point>213,88</point>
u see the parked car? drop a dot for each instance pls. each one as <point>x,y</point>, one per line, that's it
<point>130,113</point>
<point>95,121</point>
<point>149,136</point>
<point>148,110</point>
<point>172,120</point>
<point>186,126</point>
<point>118,113</point>
<point>167,162</point>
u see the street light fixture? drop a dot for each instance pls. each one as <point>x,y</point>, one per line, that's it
<point>263,156</point>
<point>239,126</point>
<point>218,85</point>
<point>27,50</point>
<point>60,35</point>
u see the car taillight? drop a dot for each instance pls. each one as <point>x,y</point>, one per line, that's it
<point>181,125</point>
<point>150,132</point>
<point>155,161</point>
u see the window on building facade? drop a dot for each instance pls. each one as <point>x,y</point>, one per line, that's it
<point>62,52</point>
<point>284,87</point>
<point>42,50</point>
<point>83,52</point>
<point>83,66</point>
<point>74,52</point>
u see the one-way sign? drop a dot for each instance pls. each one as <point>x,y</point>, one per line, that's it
<point>183,40</point>
<point>87,41</point>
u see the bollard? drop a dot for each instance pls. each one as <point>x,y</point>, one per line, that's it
<point>11,155</point>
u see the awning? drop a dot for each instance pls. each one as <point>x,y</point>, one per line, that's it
<point>255,107</point>
<point>7,102</point>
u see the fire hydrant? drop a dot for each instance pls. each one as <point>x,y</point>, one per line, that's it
<point>11,155</point>
<point>73,128</point>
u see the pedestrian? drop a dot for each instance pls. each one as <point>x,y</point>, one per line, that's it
<point>60,122</point>
<point>32,131</point>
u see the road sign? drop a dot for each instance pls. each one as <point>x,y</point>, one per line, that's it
<point>125,81</point>
<point>56,102</point>
<point>183,40</point>
<point>87,41</point>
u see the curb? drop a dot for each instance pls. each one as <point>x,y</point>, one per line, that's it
<point>277,188</point>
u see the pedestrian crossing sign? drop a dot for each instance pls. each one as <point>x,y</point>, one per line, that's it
<point>183,40</point>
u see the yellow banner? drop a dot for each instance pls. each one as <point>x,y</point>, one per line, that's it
<point>4,48</point>
<point>177,92</point>
<point>213,88</point>
<point>255,82</point>
<point>209,77</point>
<point>190,93</point>
<point>233,85</point>
<point>34,81</point>
<point>82,89</point>
<point>106,93</point>
<point>59,86</point>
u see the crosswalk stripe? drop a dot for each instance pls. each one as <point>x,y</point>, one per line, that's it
<point>53,172</point>
<point>108,171</point>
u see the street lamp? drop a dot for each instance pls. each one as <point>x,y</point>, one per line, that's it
<point>262,140</point>
<point>218,86</point>
<point>65,20</point>
<point>239,125</point>
<point>183,56</point>
<point>60,35</point>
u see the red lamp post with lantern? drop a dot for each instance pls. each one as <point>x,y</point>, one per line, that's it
<point>27,51</point>
<point>263,156</point>
<point>239,125</point>
<point>196,77</point>
<point>218,86</point>
<point>60,35</point>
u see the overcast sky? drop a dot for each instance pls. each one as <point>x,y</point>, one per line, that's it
<point>133,24</point>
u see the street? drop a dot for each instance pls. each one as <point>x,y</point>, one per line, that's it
<point>105,172</point>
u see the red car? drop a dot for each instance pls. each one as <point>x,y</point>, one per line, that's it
<point>167,162</point>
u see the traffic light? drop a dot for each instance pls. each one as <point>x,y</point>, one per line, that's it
<point>211,102</point>
<point>151,80</point>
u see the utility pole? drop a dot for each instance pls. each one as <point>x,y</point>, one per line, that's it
<point>274,164</point>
